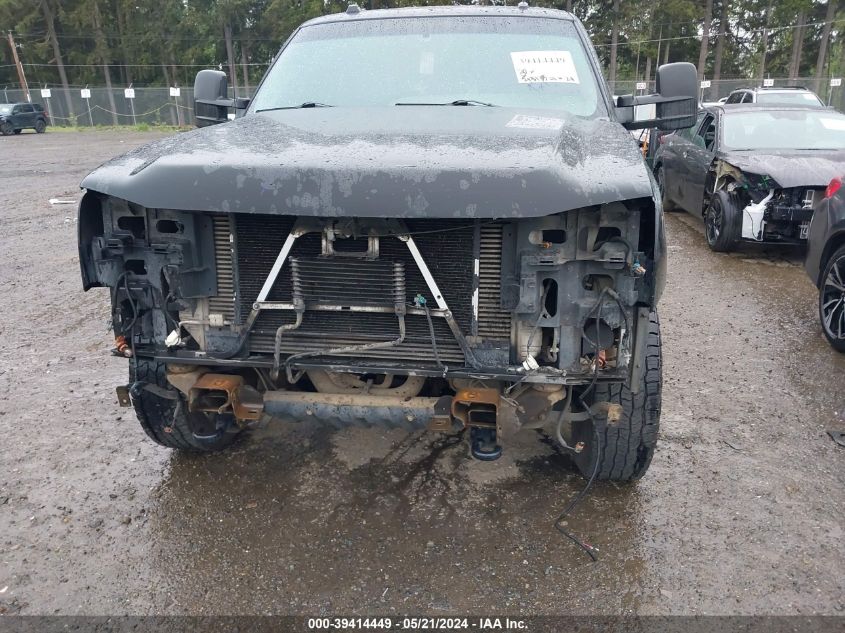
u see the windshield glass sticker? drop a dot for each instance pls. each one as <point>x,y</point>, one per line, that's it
<point>526,122</point>
<point>544,67</point>
<point>833,124</point>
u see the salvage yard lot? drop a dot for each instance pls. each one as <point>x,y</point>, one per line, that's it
<point>741,511</point>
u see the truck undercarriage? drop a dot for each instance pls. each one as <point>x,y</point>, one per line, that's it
<point>487,324</point>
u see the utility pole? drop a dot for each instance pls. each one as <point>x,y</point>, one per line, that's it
<point>21,76</point>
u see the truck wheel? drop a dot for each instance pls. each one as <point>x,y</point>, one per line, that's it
<point>660,176</point>
<point>163,413</point>
<point>40,126</point>
<point>6,129</point>
<point>832,300</point>
<point>628,445</point>
<point>722,222</point>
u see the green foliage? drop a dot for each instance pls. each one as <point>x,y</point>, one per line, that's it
<point>168,41</point>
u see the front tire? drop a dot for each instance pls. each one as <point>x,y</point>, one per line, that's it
<point>832,301</point>
<point>628,445</point>
<point>722,222</point>
<point>164,416</point>
<point>660,176</point>
<point>6,129</point>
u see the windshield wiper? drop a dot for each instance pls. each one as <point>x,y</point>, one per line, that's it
<point>456,102</point>
<point>307,104</point>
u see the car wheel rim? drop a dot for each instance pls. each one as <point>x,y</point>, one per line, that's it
<point>833,300</point>
<point>714,224</point>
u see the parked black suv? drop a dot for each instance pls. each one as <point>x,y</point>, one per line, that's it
<point>453,230</point>
<point>15,117</point>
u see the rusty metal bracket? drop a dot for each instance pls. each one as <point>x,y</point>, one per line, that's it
<point>225,393</point>
<point>612,411</point>
<point>477,407</point>
<point>442,421</point>
<point>123,398</point>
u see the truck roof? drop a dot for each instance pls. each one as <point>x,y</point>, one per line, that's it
<point>356,13</point>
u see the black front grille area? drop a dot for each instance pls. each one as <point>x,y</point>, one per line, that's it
<point>446,246</point>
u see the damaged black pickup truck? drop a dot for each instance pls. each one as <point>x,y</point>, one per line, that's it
<point>754,172</point>
<point>425,217</point>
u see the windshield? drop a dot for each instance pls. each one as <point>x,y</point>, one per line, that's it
<point>789,98</point>
<point>784,129</point>
<point>5,109</point>
<point>502,61</point>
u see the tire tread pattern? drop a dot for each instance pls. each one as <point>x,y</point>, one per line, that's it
<point>628,446</point>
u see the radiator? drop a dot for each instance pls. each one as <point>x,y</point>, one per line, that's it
<point>224,302</point>
<point>447,246</point>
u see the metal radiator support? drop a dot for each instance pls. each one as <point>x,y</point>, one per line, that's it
<point>396,229</point>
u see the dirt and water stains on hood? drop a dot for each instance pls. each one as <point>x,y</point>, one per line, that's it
<point>464,161</point>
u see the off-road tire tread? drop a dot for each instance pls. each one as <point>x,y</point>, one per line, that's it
<point>156,413</point>
<point>628,446</point>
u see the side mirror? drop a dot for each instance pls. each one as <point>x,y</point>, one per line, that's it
<point>211,98</point>
<point>676,101</point>
<point>677,80</point>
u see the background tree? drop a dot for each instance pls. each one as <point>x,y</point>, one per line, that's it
<point>117,42</point>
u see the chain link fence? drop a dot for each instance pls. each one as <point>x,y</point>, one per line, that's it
<point>101,106</point>
<point>156,106</point>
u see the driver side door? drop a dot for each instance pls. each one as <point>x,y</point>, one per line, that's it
<point>674,148</point>
<point>699,155</point>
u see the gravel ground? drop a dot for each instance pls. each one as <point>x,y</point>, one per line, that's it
<point>741,512</point>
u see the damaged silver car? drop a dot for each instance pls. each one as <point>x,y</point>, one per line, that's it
<point>753,172</point>
<point>429,218</point>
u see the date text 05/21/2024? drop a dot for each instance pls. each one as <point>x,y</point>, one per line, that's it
<point>416,624</point>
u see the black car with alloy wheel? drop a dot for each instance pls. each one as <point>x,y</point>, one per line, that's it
<point>457,234</point>
<point>825,263</point>
<point>16,117</point>
<point>753,172</point>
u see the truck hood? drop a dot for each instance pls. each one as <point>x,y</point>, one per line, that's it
<point>792,168</point>
<point>405,161</point>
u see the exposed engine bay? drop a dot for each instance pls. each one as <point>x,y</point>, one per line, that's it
<point>444,323</point>
<point>769,212</point>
